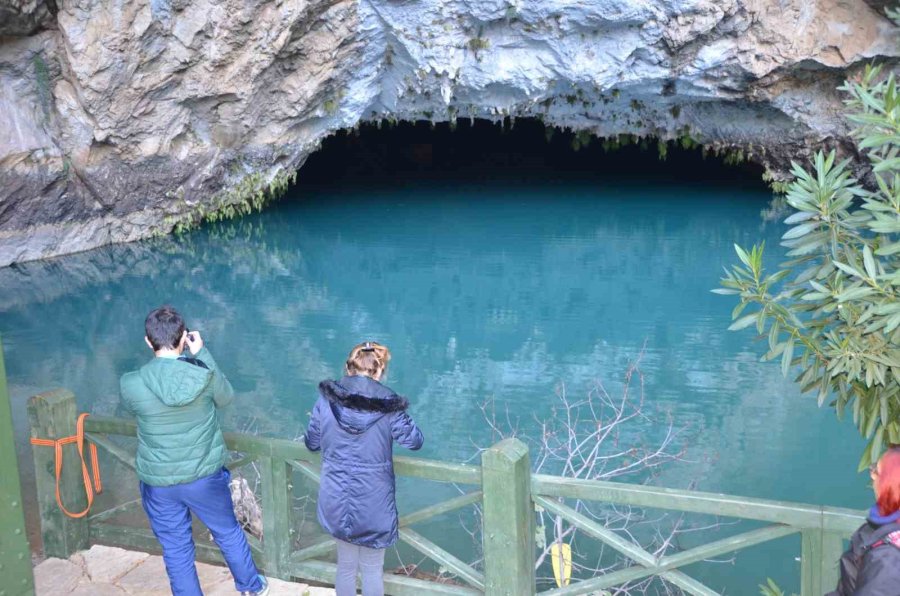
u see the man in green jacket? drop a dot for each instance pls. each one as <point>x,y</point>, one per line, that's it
<point>181,453</point>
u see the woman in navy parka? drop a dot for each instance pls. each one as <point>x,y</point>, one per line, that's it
<point>871,566</point>
<point>355,422</point>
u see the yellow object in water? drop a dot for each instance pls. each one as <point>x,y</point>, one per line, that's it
<point>561,555</point>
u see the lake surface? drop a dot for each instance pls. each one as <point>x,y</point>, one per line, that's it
<point>485,291</point>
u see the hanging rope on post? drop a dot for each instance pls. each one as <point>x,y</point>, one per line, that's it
<point>78,439</point>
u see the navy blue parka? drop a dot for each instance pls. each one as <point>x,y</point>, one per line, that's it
<point>871,566</point>
<point>355,422</point>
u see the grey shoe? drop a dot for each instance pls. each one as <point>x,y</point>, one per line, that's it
<point>263,592</point>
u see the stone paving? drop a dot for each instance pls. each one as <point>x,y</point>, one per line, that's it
<point>105,571</point>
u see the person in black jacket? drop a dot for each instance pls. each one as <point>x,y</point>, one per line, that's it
<point>871,566</point>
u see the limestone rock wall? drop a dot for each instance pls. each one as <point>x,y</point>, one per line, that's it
<point>117,117</point>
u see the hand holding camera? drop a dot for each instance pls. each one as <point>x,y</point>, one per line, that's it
<point>193,341</point>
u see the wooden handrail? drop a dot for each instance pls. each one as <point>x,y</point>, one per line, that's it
<point>507,491</point>
<point>415,467</point>
<point>798,515</point>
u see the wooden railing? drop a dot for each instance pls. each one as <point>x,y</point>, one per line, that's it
<point>502,485</point>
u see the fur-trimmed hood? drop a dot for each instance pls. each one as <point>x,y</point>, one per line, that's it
<point>358,402</point>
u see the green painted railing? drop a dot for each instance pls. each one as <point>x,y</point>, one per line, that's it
<point>502,485</point>
<point>15,555</point>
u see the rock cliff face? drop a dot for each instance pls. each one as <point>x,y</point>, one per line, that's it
<point>118,117</point>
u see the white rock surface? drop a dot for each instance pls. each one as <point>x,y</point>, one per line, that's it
<point>105,571</point>
<point>119,116</point>
<point>104,565</point>
<point>57,577</point>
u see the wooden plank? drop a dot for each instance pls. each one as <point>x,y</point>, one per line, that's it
<point>240,462</point>
<point>110,426</point>
<point>326,545</point>
<point>428,469</point>
<point>403,466</point>
<point>811,563</point>
<point>108,513</point>
<point>395,585</point>
<point>117,452</point>
<point>142,539</point>
<point>836,520</point>
<point>440,508</point>
<point>52,416</point>
<point>316,549</point>
<point>832,549</point>
<point>311,471</point>
<point>431,469</point>
<point>255,545</point>
<point>724,546</point>
<point>609,580</point>
<point>15,555</point>
<point>800,515</point>
<point>592,528</point>
<point>508,514</point>
<point>671,562</point>
<point>439,555</point>
<point>688,584</point>
<point>278,527</point>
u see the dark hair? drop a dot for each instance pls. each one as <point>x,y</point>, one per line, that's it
<point>164,327</point>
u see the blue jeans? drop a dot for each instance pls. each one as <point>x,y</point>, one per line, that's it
<point>169,509</point>
<point>367,562</point>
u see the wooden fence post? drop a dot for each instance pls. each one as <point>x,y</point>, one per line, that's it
<point>810,563</point>
<point>278,527</point>
<point>52,416</point>
<point>15,555</point>
<point>832,549</point>
<point>508,534</point>
<point>819,555</point>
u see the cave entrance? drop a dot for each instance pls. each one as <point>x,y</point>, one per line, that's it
<point>505,268</point>
<point>526,151</point>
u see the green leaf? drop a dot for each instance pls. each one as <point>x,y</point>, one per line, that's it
<point>801,230</point>
<point>742,255</point>
<point>869,261</point>
<point>787,356</point>
<point>744,322</point>
<point>892,323</point>
<point>872,420</point>
<point>888,249</point>
<point>887,165</point>
<point>800,216</point>
<point>866,459</point>
<point>854,294</point>
<point>848,269</point>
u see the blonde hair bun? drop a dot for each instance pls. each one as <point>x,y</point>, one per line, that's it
<point>369,358</point>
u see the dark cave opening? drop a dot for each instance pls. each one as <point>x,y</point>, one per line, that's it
<point>526,152</point>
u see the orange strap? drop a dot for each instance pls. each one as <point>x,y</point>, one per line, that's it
<point>78,439</point>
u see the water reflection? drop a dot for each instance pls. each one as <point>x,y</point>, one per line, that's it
<point>481,293</point>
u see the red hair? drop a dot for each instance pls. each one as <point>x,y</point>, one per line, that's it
<point>888,494</point>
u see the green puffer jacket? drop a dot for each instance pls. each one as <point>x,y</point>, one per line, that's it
<point>174,401</point>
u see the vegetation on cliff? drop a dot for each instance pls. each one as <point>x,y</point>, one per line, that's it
<point>833,310</point>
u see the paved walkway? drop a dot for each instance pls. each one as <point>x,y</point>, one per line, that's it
<point>105,571</point>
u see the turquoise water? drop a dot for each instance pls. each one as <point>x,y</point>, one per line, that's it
<point>484,291</point>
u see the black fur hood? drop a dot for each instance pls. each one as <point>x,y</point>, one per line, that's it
<point>358,402</point>
<point>353,398</point>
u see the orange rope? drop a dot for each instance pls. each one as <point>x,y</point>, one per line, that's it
<point>78,439</point>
